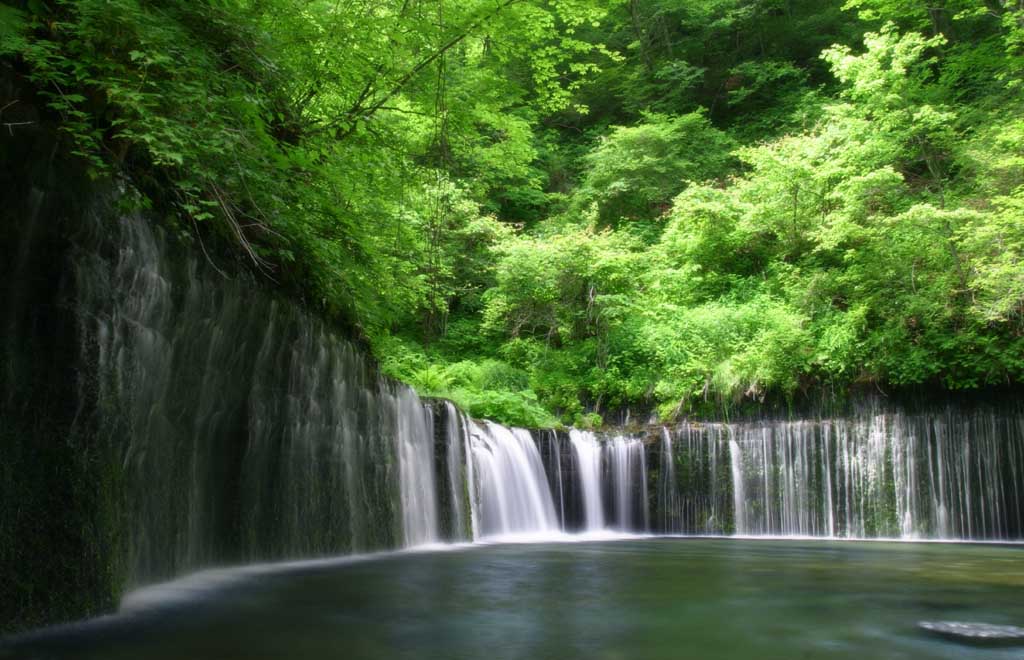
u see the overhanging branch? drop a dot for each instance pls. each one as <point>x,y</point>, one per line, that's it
<point>358,113</point>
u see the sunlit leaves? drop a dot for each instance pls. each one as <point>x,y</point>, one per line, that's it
<point>636,170</point>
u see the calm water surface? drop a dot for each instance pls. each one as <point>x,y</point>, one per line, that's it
<point>646,599</point>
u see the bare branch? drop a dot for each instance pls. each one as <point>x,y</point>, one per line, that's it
<point>10,125</point>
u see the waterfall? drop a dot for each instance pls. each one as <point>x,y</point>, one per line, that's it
<point>694,494</point>
<point>612,476</point>
<point>670,503</point>
<point>588,461</point>
<point>557,466</point>
<point>194,419</point>
<point>457,449</point>
<point>946,473</point>
<point>627,468</point>
<point>416,470</point>
<point>511,486</point>
<point>738,492</point>
<point>559,479</point>
<point>244,427</point>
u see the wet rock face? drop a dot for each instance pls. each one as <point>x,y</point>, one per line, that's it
<point>978,634</point>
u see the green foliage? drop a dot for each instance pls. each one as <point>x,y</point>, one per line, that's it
<point>737,349</point>
<point>883,243</point>
<point>635,171</point>
<point>13,26</point>
<point>548,210</point>
<point>561,288</point>
<point>487,388</point>
<point>308,134</point>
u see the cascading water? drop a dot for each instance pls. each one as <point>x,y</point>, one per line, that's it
<point>587,451</point>
<point>612,478</point>
<point>739,492</point>
<point>415,468</point>
<point>944,474</point>
<point>459,470</point>
<point>511,488</point>
<point>670,503</point>
<point>250,430</point>
<point>230,425</point>
<point>626,465</point>
<point>243,429</point>
<point>555,451</point>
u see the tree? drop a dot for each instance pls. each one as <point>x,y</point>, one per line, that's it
<point>635,171</point>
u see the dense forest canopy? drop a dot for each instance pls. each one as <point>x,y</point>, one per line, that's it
<point>549,209</point>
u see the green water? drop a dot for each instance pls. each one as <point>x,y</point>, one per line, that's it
<point>637,600</point>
